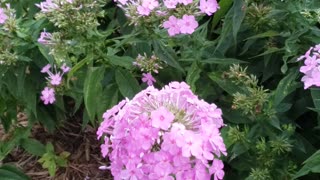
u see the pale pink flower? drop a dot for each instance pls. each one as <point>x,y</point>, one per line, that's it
<point>45,38</point>
<point>65,68</point>
<point>208,6</point>
<point>148,78</point>
<point>185,2</point>
<point>161,118</point>
<point>170,4</point>
<point>172,26</point>
<point>3,16</point>
<point>150,4</point>
<point>311,67</point>
<point>187,24</point>
<point>55,79</point>
<point>47,6</point>
<point>47,96</point>
<point>46,68</point>
<point>143,11</point>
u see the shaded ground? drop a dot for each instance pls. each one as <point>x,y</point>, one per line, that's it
<point>83,163</point>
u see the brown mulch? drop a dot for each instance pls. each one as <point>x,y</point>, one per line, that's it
<point>83,146</point>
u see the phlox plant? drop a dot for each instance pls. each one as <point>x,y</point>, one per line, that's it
<point>177,16</point>
<point>163,134</point>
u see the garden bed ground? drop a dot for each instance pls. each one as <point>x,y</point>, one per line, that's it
<point>84,149</point>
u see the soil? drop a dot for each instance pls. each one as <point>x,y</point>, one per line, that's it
<point>82,144</point>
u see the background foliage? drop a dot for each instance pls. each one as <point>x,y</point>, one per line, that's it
<point>243,59</point>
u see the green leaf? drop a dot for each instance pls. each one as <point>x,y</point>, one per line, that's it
<point>128,85</point>
<point>286,86</point>
<point>311,165</point>
<point>227,86</point>
<point>166,54</point>
<point>92,90</point>
<point>193,75</point>
<point>45,52</point>
<point>8,146</point>
<point>222,61</point>
<point>315,94</point>
<point>9,172</point>
<point>33,146</point>
<point>224,7</point>
<point>123,61</point>
<point>238,16</point>
<point>264,35</point>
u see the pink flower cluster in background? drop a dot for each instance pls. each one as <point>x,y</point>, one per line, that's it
<point>163,134</point>
<point>311,68</point>
<point>48,93</point>
<point>177,16</point>
<point>51,5</point>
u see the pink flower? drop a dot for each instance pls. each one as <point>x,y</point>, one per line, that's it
<point>150,4</point>
<point>147,77</point>
<point>143,11</point>
<point>217,169</point>
<point>47,6</point>
<point>3,16</point>
<point>105,148</point>
<point>311,68</point>
<point>185,2</point>
<point>170,4</point>
<point>55,79</point>
<point>172,26</point>
<point>187,24</point>
<point>45,38</point>
<point>161,118</point>
<point>208,6</point>
<point>47,96</point>
<point>46,69</point>
<point>65,68</point>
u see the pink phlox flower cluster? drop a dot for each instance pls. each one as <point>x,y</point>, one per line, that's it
<point>311,67</point>
<point>52,5</point>
<point>3,16</point>
<point>48,94</point>
<point>45,38</point>
<point>163,134</point>
<point>186,25</point>
<point>171,13</point>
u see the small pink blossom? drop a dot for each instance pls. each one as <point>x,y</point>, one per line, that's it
<point>47,96</point>
<point>143,11</point>
<point>47,6</point>
<point>187,24</point>
<point>3,16</point>
<point>185,2</point>
<point>45,38</point>
<point>208,6</point>
<point>150,4</point>
<point>55,79</point>
<point>172,26</point>
<point>311,67</point>
<point>171,4</point>
<point>65,68</point>
<point>46,69</point>
<point>161,118</point>
<point>147,77</point>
